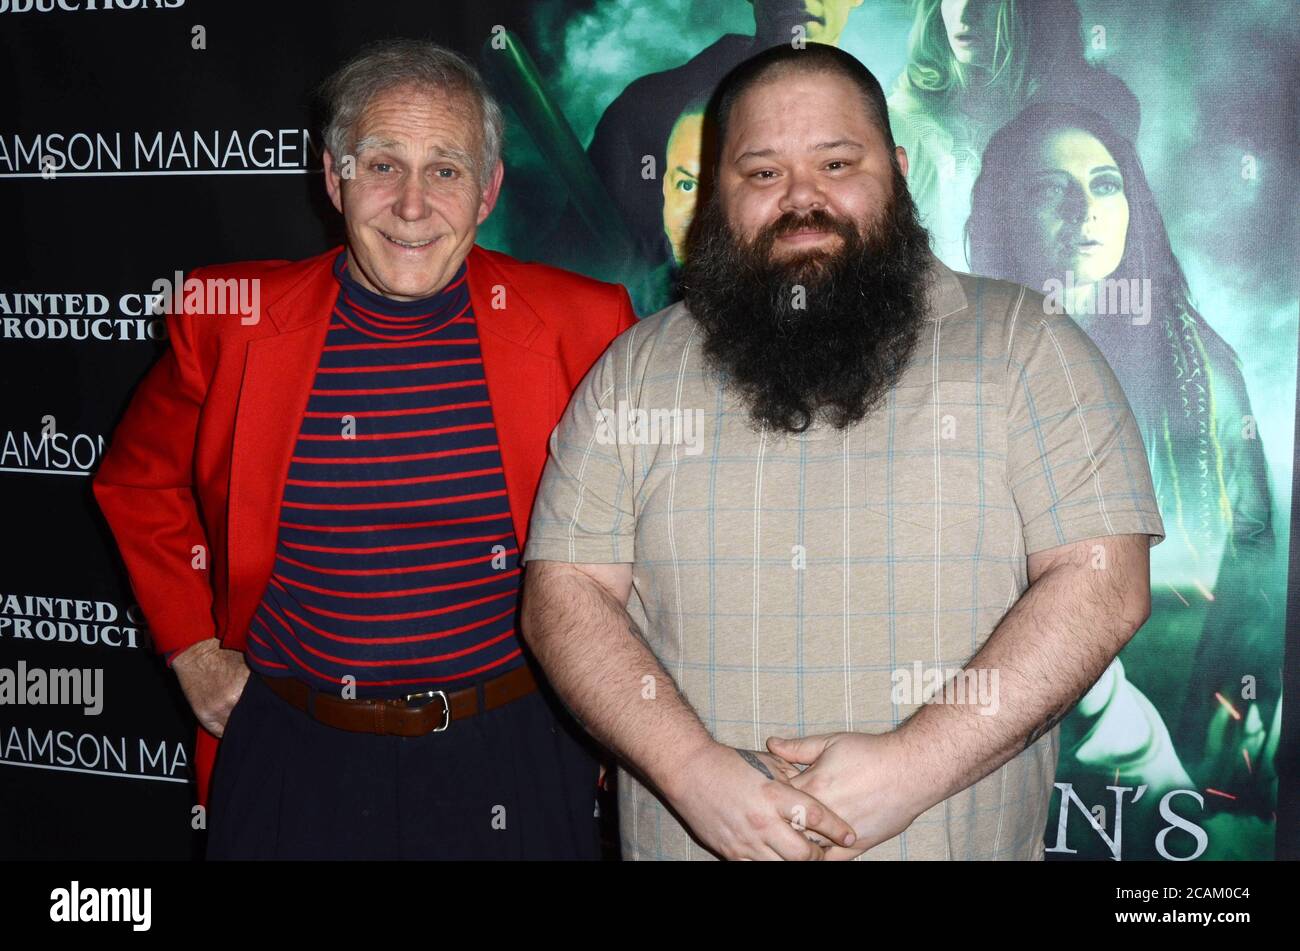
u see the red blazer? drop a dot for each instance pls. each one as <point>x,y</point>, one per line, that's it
<point>201,456</point>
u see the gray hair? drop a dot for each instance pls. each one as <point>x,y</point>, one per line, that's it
<point>390,64</point>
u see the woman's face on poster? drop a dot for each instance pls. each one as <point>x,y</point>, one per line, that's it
<point>970,26</point>
<point>1074,214</point>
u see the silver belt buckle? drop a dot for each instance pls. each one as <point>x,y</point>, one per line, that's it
<point>426,697</point>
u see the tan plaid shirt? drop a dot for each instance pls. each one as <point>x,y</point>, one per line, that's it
<point>804,584</point>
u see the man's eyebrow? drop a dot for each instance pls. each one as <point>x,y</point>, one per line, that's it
<point>839,144</point>
<point>463,158</point>
<point>376,142</point>
<point>686,171</point>
<point>819,147</point>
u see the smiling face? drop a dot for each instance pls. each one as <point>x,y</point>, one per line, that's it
<point>797,143</point>
<point>970,26</point>
<point>809,266</point>
<point>1076,217</point>
<point>416,200</point>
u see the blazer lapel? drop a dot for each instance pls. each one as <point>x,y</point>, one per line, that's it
<point>520,368</point>
<point>278,374</point>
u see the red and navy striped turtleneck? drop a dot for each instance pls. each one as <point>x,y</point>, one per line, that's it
<point>396,561</point>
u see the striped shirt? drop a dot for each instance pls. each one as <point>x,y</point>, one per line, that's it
<point>796,585</point>
<point>396,559</point>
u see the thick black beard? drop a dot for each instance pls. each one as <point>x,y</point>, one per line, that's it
<point>835,358</point>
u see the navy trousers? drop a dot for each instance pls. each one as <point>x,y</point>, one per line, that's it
<point>516,782</point>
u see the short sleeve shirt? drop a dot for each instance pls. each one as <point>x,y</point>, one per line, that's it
<point>812,583</point>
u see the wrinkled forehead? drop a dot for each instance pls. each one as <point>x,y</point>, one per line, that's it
<point>397,114</point>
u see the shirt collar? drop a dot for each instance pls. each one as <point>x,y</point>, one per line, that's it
<point>453,292</point>
<point>944,294</point>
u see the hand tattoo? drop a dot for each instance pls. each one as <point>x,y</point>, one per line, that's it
<point>755,762</point>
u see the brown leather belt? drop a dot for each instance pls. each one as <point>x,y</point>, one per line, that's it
<point>415,714</point>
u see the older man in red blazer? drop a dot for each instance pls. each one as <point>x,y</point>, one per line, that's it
<point>321,502</point>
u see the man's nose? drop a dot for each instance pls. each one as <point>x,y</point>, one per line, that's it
<point>803,194</point>
<point>412,201</point>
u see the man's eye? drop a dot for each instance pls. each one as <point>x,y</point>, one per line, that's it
<point>381,167</point>
<point>763,173</point>
<point>837,164</point>
<point>686,186</point>
<point>446,173</point>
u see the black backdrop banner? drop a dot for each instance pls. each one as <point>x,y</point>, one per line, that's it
<point>142,138</point>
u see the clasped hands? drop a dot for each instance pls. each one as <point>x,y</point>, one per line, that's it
<point>855,791</point>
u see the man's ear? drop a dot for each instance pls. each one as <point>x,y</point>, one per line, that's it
<point>491,192</point>
<point>333,181</point>
<point>901,154</point>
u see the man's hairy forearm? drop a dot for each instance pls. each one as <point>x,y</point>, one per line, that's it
<point>598,663</point>
<point>1048,650</point>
